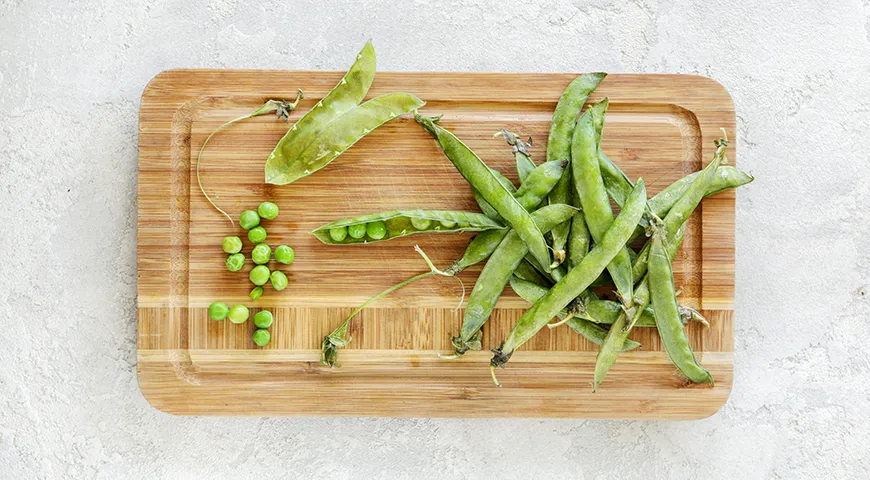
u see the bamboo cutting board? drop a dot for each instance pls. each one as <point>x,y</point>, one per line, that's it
<point>660,127</point>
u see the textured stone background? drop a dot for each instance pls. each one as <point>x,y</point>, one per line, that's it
<point>70,81</point>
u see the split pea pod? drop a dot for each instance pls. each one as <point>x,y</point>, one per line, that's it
<point>559,145</point>
<point>341,134</point>
<point>664,302</point>
<point>592,194</point>
<point>400,223</point>
<point>577,279</point>
<point>349,92</point>
<point>673,223</point>
<point>496,274</point>
<point>480,177</point>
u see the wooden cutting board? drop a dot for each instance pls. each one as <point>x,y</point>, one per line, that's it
<point>660,127</point>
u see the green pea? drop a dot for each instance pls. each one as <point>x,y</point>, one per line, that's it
<point>257,235</point>
<point>262,337</point>
<point>279,280</point>
<point>263,319</point>
<point>218,311</point>
<point>268,210</point>
<point>256,293</point>
<point>338,233</point>
<point>284,254</point>
<point>249,219</point>
<point>231,245</point>
<point>376,230</point>
<point>235,262</point>
<point>357,231</point>
<point>259,275</point>
<point>420,223</point>
<point>447,223</point>
<point>239,314</point>
<point>261,253</point>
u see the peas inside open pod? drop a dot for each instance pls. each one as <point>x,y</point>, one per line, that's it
<point>399,223</point>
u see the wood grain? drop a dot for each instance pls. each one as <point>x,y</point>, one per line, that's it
<point>660,127</point>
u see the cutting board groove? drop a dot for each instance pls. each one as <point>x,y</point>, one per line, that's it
<point>660,127</point>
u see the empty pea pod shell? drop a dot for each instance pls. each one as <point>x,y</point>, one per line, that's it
<point>400,223</point>
<point>338,136</point>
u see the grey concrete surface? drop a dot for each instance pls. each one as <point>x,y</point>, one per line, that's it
<point>71,74</point>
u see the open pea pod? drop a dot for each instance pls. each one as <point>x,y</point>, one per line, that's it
<point>342,98</point>
<point>341,134</point>
<point>399,223</point>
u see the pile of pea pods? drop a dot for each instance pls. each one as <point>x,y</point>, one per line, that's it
<point>555,238</point>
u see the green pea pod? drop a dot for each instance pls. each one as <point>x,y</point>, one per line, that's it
<point>480,177</point>
<point>726,177</point>
<point>340,135</point>
<point>593,197</point>
<point>577,279</point>
<point>496,273</point>
<point>342,98</point>
<point>578,239</point>
<point>486,207</point>
<point>538,184</point>
<point>672,224</point>
<point>400,223</point>
<point>527,273</point>
<point>615,180</point>
<point>664,302</point>
<point>525,165</point>
<point>559,147</point>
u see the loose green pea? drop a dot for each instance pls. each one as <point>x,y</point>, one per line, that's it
<point>356,231</point>
<point>235,262</point>
<point>256,293</point>
<point>284,254</point>
<point>262,337</point>
<point>261,253</point>
<point>420,223</point>
<point>231,245</point>
<point>279,280</point>
<point>376,230</point>
<point>268,210</point>
<point>249,219</point>
<point>259,275</point>
<point>338,233</point>
<point>239,314</point>
<point>257,235</point>
<point>218,311</point>
<point>263,319</point>
<point>447,223</point>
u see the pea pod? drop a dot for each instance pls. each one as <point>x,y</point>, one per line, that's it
<point>664,302</point>
<point>527,273</point>
<point>559,146</point>
<point>615,180</point>
<point>578,239</point>
<point>673,223</point>
<point>539,183</point>
<point>593,197</point>
<point>400,223</point>
<point>486,207</point>
<point>495,275</point>
<point>345,96</point>
<point>577,279</point>
<point>480,177</point>
<point>341,134</point>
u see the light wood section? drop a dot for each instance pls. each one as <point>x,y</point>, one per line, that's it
<point>659,127</point>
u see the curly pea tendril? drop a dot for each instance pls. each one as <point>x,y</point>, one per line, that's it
<point>282,109</point>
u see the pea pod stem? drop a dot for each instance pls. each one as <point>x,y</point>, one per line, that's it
<point>339,337</point>
<point>282,109</point>
<point>523,158</point>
